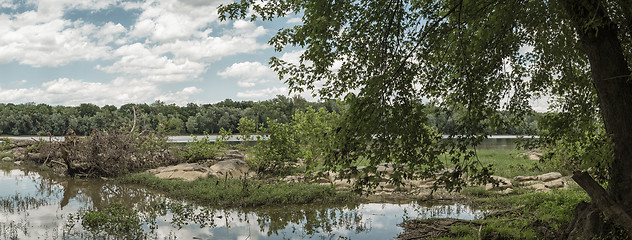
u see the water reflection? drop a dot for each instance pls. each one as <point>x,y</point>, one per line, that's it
<point>34,205</point>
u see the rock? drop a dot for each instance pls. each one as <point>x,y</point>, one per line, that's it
<point>344,183</point>
<point>385,168</point>
<point>557,183</point>
<point>540,187</point>
<point>531,155</point>
<point>35,156</point>
<point>184,171</point>
<point>506,191</point>
<point>549,176</point>
<point>17,163</point>
<point>292,179</point>
<point>7,159</point>
<point>525,178</point>
<point>184,175</point>
<point>234,154</point>
<point>503,183</point>
<point>232,168</point>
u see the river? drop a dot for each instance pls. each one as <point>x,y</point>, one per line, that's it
<point>495,142</point>
<point>42,206</point>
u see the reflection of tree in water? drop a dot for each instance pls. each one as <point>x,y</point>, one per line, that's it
<point>311,219</point>
<point>451,211</point>
<point>96,195</point>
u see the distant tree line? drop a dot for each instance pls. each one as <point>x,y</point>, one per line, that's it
<point>43,119</point>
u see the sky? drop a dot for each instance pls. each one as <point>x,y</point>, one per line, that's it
<point>68,52</point>
<point>113,52</point>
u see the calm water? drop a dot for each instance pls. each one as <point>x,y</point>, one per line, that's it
<point>36,206</point>
<point>496,142</point>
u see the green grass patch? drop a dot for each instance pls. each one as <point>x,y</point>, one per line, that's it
<point>241,193</point>
<point>3,155</point>
<point>508,164</point>
<point>541,211</point>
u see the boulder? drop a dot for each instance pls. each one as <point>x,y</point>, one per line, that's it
<point>557,183</point>
<point>7,159</point>
<point>540,187</point>
<point>184,171</point>
<point>525,178</point>
<point>506,191</point>
<point>344,183</point>
<point>503,183</point>
<point>293,179</point>
<point>549,176</point>
<point>234,154</point>
<point>385,168</point>
<point>184,175</point>
<point>232,168</point>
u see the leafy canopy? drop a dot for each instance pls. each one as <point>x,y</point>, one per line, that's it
<point>387,57</point>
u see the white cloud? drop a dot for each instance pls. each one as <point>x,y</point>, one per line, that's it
<point>138,61</point>
<point>293,57</point>
<point>71,92</point>
<point>164,21</point>
<point>181,97</point>
<point>248,73</point>
<point>53,43</point>
<point>263,93</point>
<point>110,32</point>
<point>211,49</point>
<point>294,20</point>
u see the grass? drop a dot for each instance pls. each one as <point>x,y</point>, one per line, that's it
<point>537,215</point>
<point>508,164</point>
<point>3,155</point>
<point>241,193</point>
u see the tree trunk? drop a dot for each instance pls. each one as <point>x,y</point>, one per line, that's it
<point>611,78</point>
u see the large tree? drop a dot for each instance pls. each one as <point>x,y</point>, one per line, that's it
<point>474,56</point>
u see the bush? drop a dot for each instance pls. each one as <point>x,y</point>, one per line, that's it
<point>278,153</point>
<point>199,149</point>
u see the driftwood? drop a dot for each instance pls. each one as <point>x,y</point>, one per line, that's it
<point>600,198</point>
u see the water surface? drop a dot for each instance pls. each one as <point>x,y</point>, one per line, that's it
<point>37,205</point>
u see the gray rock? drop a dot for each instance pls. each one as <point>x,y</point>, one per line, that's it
<point>503,183</point>
<point>293,179</point>
<point>184,171</point>
<point>525,178</point>
<point>540,187</point>
<point>232,168</point>
<point>549,176</point>
<point>557,183</point>
<point>7,159</point>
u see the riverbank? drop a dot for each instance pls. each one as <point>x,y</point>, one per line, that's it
<point>529,194</point>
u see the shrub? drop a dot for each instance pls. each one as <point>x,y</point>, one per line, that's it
<point>278,153</point>
<point>199,149</point>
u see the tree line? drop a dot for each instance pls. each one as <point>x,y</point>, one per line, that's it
<point>44,119</point>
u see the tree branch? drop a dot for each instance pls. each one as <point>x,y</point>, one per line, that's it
<point>611,209</point>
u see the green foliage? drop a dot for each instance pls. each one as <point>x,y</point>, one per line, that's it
<point>224,136</point>
<point>246,128</point>
<point>5,144</point>
<point>576,145</point>
<point>479,62</point>
<point>313,133</point>
<point>114,221</point>
<point>41,119</point>
<point>277,152</point>
<point>240,192</point>
<point>199,149</point>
